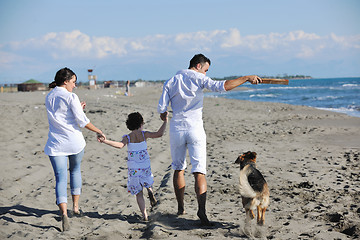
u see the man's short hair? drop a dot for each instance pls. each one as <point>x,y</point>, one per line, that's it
<point>199,58</point>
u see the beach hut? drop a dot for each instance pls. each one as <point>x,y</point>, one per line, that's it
<point>31,85</point>
<point>140,84</point>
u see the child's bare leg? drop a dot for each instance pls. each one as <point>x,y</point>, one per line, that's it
<point>141,202</point>
<point>152,198</point>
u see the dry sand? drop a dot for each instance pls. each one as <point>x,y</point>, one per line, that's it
<point>309,157</point>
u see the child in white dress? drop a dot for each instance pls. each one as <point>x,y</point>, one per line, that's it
<point>139,170</point>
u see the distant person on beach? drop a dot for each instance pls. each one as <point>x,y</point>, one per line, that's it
<point>65,140</point>
<point>127,89</point>
<point>185,93</point>
<point>138,163</point>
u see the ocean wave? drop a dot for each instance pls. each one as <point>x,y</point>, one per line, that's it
<point>347,111</point>
<point>263,95</point>
<point>350,85</point>
<point>345,89</point>
<point>327,98</point>
<point>285,88</point>
<point>300,87</point>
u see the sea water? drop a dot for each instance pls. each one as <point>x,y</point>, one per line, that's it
<point>332,94</point>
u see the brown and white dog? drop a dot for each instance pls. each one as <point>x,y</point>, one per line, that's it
<point>254,189</point>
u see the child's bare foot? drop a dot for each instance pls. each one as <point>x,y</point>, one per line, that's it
<point>152,198</point>
<point>145,217</point>
<point>153,201</point>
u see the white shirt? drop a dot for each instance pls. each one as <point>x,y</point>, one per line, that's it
<point>185,92</point>
<point>66,117</point>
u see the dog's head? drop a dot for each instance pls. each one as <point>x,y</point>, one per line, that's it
<point>246,158</point>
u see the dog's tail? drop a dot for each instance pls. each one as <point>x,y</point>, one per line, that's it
<point>245,189</point>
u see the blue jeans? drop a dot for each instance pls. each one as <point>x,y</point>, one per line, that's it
<point>59,164</point>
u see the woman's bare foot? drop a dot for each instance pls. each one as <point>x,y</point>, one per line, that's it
<point>65,223</point>
<point>76,209</point>
<point>79,213</point>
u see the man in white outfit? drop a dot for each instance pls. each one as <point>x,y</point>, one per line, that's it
<point>185,93</point>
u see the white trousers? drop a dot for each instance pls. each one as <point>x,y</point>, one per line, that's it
<point>193,140</point>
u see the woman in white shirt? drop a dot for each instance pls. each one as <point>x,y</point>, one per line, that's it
<point>65,140</point>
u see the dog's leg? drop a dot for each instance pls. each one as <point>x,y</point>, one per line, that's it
<point>247,203</point>
<point>249,213</point>
<point>258,214</point>
<point>252,215</point>
<point>263,215</point>
<point>248,226</point>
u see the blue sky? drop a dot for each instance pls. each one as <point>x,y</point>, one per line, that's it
<point>151,40</point>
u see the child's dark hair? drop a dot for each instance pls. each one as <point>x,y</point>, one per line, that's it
<point>134,121</point>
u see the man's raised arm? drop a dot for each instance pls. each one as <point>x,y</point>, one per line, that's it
<point>233,83</point>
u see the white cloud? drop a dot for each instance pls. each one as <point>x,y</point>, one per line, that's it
<point>107,46</point>
<point>78,45</point>
<point>233,39</point>
<point>301,35</point>
<point>287,45</point>
<point>346,41</point>
<point>276,42</point>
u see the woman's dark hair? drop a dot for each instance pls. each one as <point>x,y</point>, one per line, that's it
<point>64,74</point>
<point>199,58</point>
<point>134,121</point>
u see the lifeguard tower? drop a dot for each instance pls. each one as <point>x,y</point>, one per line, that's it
<point>92,79</point>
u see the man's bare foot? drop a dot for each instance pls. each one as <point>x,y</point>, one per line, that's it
<point>204,220</point>
<point>180,211</point>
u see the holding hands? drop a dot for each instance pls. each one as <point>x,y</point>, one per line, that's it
<point>136,130</point>
<point>101,137</point>
<point>164,116</point>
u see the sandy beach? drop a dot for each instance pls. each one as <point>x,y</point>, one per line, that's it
<point>309,157</point>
